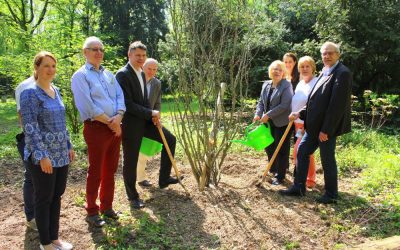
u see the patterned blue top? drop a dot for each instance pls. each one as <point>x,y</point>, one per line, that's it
<point>96,92</point>
<point>43,120</point>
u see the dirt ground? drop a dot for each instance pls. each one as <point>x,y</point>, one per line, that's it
<point>234,215</point>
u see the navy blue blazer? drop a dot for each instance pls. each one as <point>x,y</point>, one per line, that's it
<point>328,108</point>
<point>137,105</point>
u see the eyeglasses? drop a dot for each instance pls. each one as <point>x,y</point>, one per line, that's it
<point>96,49</point>
<point>328,53</point>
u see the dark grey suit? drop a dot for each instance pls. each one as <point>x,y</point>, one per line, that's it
<point>280,104</point>
<point>278,110</point>
<point>328,110</point>
<point>155,93</point>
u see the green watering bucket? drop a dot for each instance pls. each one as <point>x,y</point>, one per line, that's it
<point>258,138</point>
<point>150,147</point>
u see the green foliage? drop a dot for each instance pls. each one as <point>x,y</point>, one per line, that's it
<point>364,146</point>
<point>8,129</point>
<point>62,30</point>
<point>128,21</point>
<point>381,179</point>
<point>141,233</point>
<point>357,215</point>
<point>372,156</point>
<point>292,245</point>
<point>376,110</point>
<point>116,235</point>
<point>8,144</point>
<point>80,199</point>
<point>169,104</point>
<point>151,234</point>
<point>369,39</point>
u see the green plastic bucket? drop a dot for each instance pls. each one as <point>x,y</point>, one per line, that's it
<point>258,138</point>
<point>150,147</point>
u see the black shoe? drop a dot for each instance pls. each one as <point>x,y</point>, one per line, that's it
<point>110,213</point>
<point>325,199</point>
<point>137,203</point>
<point>276,182</point>
<point>145,183</point>
<point>293,191</point>
<point>171,180</point>
<point>95,220</point>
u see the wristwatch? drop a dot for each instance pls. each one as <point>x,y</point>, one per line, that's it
<point>121,112</point>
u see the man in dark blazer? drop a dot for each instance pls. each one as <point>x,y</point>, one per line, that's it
<point>326,116</point>
<point>140,120</point>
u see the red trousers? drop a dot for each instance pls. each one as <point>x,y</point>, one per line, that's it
<point>312,173</point>
<point>103,152</point>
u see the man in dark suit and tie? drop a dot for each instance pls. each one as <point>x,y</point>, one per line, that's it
<point>140,120</point>
<point>326,116</point>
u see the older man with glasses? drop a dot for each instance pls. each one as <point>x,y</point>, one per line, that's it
<point>100,101</point>
<point>326,115</point>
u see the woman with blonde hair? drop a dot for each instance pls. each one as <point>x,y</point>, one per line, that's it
<point>307,70</point>
<point>48,150</point>
<point>274,106</point>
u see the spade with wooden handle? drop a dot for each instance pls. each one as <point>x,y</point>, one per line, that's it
<point>275,154</point>
<point>171,158</point>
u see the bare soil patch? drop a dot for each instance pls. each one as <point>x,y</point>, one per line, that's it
<point>234,215</point>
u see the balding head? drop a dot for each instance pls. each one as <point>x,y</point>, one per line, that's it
<point>330,53</point>
<point>150,68</point>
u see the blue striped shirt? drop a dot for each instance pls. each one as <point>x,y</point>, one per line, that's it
<point>44,124</point>
<point>96,92</point>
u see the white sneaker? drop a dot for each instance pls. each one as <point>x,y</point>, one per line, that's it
<point>63,246</point>
<point>48,247</point>
<point>31,224</point>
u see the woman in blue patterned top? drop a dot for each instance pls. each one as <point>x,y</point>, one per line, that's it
<point>48,148</point>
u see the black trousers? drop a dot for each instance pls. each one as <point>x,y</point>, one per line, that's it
<point>132,134</point>
<point>281,163</point>
<point>48,191</point>
<point>27,188</point>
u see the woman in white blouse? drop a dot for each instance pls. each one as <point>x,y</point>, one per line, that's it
<point>307,68</point>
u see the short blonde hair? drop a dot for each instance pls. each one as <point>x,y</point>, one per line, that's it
<point>277,63</point>
<point>310,60</point>
<point>39,58</point>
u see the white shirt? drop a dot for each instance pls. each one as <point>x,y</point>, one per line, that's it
<point>326,71</point>
<point>26,84</point>
<point>139,76</point>
<point>303,90</point>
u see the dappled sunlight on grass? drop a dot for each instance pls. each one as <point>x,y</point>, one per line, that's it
<point>9,116</point>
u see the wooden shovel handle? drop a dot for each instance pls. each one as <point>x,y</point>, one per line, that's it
<point>277,150</point>
<point>171,158</point>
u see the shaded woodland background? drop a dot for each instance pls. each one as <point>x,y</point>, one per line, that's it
<point>369,32</point>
